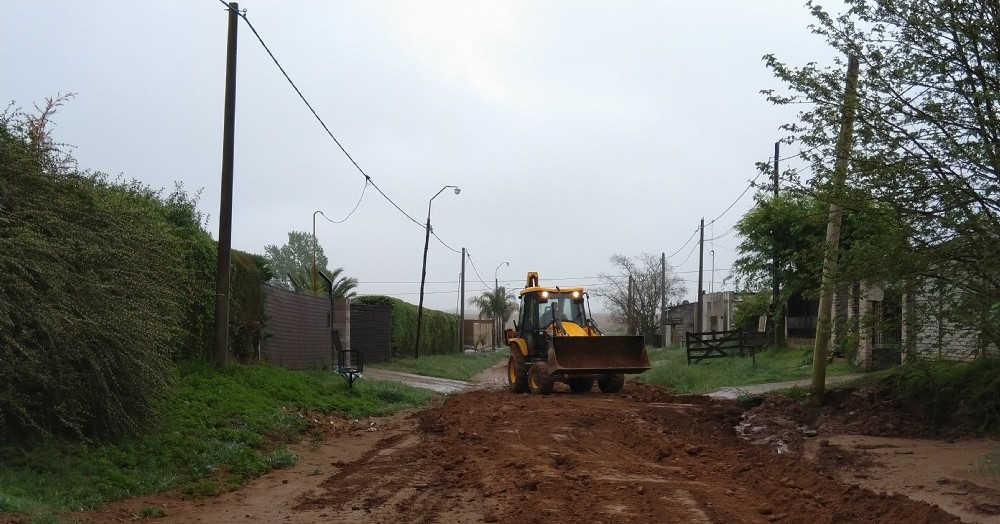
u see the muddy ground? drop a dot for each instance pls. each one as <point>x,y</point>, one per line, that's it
<point>642,455</point>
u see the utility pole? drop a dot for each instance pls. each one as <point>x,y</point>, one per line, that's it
<point>776,308</point>
<point>226,200</point>
<point>461,307</point>
<point>663,300</point>
<point>496,320</point>
<point>843,152</point>
<point>701,283</point>
<point>423,276</point>
<point>631,306</point>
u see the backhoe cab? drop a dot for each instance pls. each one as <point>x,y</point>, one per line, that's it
<point>557,340</point>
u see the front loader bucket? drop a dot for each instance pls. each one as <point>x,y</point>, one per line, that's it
<point>611,354</point>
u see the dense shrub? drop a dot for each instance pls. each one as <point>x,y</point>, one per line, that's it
<point>246,305</point>
<point>440,330</point>
<point>89,306</point>
<point>102,283</point>
<point>198,254</point>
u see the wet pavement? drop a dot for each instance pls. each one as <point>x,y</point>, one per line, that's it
<point>486,380</point>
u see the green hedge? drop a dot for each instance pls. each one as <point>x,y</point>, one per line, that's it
<point>440,330</point>
<point>90,308</point>
<point>102,284</point>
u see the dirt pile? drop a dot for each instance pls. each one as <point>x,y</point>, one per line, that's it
<point>643,455</point>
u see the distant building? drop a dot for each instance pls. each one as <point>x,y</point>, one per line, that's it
<point>717,315</point>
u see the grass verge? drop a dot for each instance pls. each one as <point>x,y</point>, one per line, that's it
<point>670,369</point>
<point>217,431</point>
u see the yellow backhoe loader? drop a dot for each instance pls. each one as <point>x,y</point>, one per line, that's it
<point>557,340</point>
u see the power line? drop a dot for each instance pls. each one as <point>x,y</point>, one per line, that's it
<point>559,279</point>
<point>368,179</point>
<point>475,269</point>
<point>748,188</point>
<point>689,255</point>
<point>685,244</point>
<point>443,243</point>
<point>355,205</point>
<point>723,235</point>
<point>795,155</point>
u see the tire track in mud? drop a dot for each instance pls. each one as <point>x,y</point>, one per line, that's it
<point>639,456</point>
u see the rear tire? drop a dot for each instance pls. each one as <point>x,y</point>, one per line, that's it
<point>580,384</point>
<point>517,375</point>
<point>539,380</point>
<point>611,383</point>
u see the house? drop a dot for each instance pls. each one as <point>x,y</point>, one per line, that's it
<point>883,327</point>
<point>717,315</point>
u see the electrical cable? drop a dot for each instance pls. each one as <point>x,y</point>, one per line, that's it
<point>749,187</point>
<point>353,210</point>
<point>318,119</point>
<point>443,243</point>
<point>475,269</point>
<point>795,155</point>
<point>689,255</point>
<point>685,244</point>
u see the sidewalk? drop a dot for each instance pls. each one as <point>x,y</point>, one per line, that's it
<point>757,389</point>
<point>444,385</point>
<point>440,385</point>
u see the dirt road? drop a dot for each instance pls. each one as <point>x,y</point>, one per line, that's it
<point>642,455</point>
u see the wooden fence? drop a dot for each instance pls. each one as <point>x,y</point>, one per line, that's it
<point>718,344</point>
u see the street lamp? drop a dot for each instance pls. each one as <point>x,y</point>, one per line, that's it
<point>313,289</point>
<point>496,290</point>
<point>423,272</point>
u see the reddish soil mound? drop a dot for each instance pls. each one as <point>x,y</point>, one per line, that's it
<point>643,455</point>
<point>640,456</point>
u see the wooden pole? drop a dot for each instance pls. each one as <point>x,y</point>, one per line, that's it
<point>843,152</point>
<point>226,199</point>
<point>631,306</point>
<point>701,280</point>
<point>776,309</point>
<point>663,300</point>
<point>461,307</point>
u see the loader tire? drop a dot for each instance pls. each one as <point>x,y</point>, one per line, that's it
<point>611,382</point>
<point>539,380</point>
<point>580,384</point>
<point>517,375</point>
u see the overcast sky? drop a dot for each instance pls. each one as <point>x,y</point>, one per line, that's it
<point>575,129</point>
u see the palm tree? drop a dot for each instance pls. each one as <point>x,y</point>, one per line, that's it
<point>497,305</point>
<point>343,287</point>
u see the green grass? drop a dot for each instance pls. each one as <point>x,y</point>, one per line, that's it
<point>216,431</point>
<point>456,366</point>
<point>670,369</point>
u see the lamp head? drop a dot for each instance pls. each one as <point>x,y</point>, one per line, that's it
<point>458,190</point>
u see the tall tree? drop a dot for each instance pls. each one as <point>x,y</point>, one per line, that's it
<point>928,137</point>
<point>648,289</point>
<point>497,305</point>
<point>292,266</point>
<point>792,227</point>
